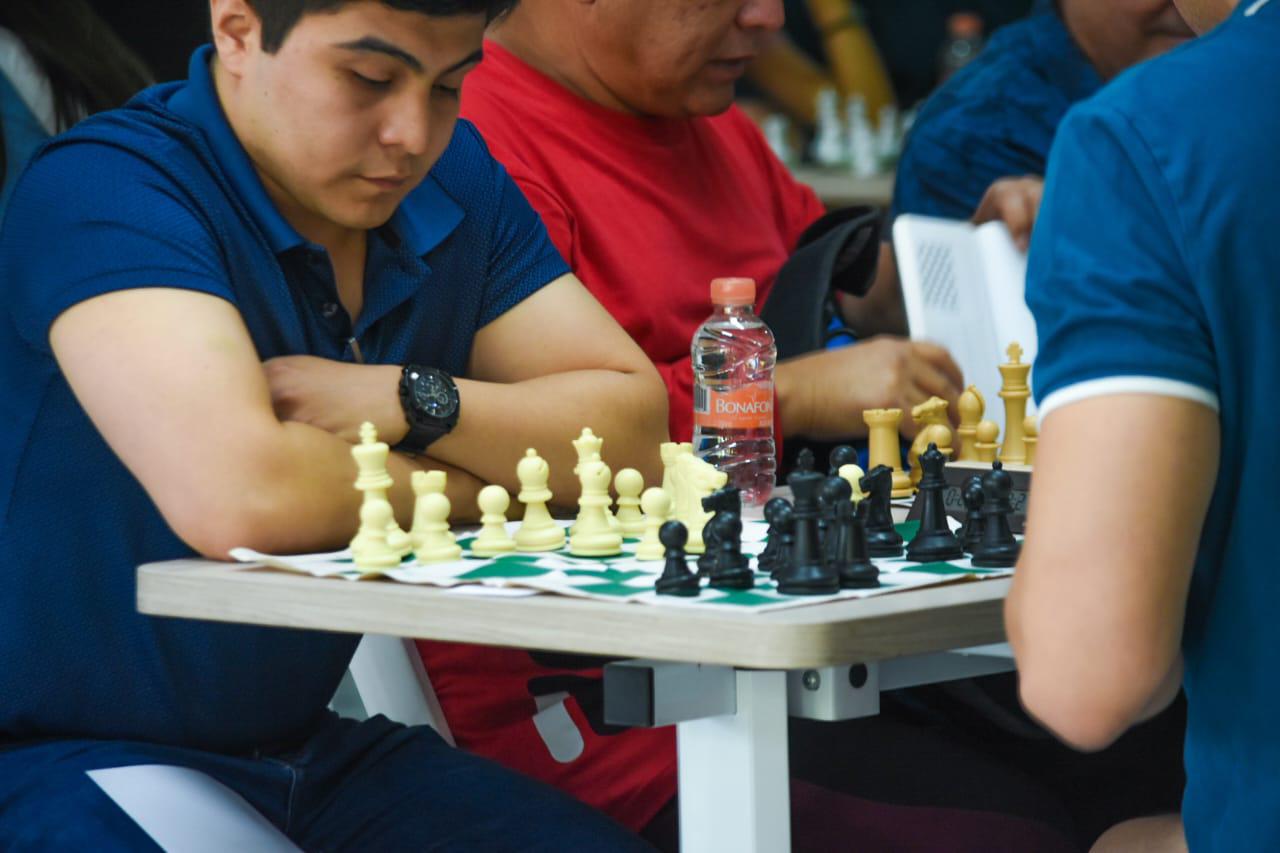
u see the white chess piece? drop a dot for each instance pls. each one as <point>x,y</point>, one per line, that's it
<point>698,478</point>
<point>370,550</point>
<point>629,483</point>
<point>669,451</point>
<point>853,475</point>
<point>373,482</point>
<point>538,531</point>
<point>433,541</point>
<point>591,535</point>
<point>828,141</point>
<point>777,133</point>
<point>493,538</point>
<point>656,504</point>
<point>863,158</point>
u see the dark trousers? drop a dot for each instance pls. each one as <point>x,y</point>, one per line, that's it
<point>374,785</point>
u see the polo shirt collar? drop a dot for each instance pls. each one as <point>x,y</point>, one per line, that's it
<point>427,216</point>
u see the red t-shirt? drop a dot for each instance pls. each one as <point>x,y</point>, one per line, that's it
<point>647,212</point>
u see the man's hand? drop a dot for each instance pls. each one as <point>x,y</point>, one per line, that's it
<point>336,396</point>
<point>823,395</point>
<point>1015,202</point>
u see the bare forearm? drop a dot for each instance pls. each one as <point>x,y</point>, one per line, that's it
<point>499,421</point>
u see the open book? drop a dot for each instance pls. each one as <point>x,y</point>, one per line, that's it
<point>964,287</point>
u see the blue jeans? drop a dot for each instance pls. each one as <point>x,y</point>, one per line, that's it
<point>372,785</point>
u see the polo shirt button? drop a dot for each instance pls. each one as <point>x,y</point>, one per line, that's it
<point>329,310</point>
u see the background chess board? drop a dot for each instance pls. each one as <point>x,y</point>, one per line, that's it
<point>619,578</point>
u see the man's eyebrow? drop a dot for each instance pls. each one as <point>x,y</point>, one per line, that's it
<point>373,44</point>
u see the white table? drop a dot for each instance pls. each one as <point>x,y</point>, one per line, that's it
<point>726,680</point>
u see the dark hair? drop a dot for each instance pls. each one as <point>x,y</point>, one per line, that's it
<point>88,68</point>
<point>279,16</point>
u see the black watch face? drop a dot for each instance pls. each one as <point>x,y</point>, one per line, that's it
<point>432,396</point>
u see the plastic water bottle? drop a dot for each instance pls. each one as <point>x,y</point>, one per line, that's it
<point>733,359</point>
<point>964,43</point>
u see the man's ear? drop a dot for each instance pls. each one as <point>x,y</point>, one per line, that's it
<point>237,33</point>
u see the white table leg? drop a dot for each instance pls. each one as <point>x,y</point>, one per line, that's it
<point>734,779</point>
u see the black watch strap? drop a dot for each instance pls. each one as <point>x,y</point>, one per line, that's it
<point>429,399</point>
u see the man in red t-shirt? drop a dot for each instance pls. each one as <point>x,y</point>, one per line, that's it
<point>615,119</point>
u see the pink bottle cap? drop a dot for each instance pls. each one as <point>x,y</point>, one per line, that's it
<point>733,291</point>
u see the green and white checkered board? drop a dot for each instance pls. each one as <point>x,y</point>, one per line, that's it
<point>620,578</point>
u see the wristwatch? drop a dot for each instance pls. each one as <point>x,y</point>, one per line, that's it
<point>430,402</point>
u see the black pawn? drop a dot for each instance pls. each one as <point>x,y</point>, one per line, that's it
<point>998,548</point>
<point>728,499</point>
<point>848,549</point>
<point>676,578</point>
<point>786,524</point>
<point>971,535</point>
<point>935,542</point>
<point>883,539</point>
<point>840,457</point>
<point>805,460</point>
<point>807,573</point>
<point>773,540</point>
<point>732,569</point>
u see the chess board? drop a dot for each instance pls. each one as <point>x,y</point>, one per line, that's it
<point>618,578</point>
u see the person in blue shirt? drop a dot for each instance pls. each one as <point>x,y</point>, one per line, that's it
<point>1150,552</point>
<point>204,294</point>
<point>997,117</point>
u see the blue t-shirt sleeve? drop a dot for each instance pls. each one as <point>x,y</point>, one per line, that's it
<point>87,219</point>
<point>1107,278</point>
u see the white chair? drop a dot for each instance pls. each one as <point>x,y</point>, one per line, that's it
<point>391,680</point>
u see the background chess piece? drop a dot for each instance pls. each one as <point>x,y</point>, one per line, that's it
<point>669,451</point>
<point>999,548</point>
<point>766,561</point>
<point>493,538</point>
<point>728,499</point>
<point>591,535</point>
<point>676,578</point>
<point>1014,392</point>
<point>629,483</point>
<point>538,531</point>
<point>884,447</point>
<point>853,475</point>
<point>934,428</point>
<point>971,406</point>
<point>971,534</point>
<point>848,548</point>
<point>732,569</point>
<point>1030,437</point>
<point>934,542</point>
<point>841,456</point>
<point>985,441</point>
<point>656,504</point>
<point>883,539</point>
<point>433,542</point>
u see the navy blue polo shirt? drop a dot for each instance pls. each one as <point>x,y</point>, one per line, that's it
<point>995,118</point>
<point>1155,269</point>
<point>160,193</point>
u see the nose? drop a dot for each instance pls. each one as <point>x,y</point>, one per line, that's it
<point>761,14</point>
<point>407,126</point>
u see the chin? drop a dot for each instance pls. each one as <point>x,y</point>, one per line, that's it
<point>708,101</point>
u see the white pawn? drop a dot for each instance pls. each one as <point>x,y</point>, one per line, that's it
<point>863,157</point>
<point>591,535</point>
<point>629,484</point>
<point>370,550</point>
<point>656,504</point>
<point>852,474</point>
<point>828,141</point>
<point>493,538</point>
<point>538,531</point>
<point>435,543</point>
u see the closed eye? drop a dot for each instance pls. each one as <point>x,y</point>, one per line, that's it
<point>371,82</point>
<point>448,91</point>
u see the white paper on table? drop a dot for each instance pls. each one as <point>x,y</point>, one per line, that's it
<point>186,811</point>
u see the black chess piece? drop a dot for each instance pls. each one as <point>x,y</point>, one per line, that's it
<point>883,539</point>
<point>676,578</point>
<point>971,535</point>
<point>728,499</point>
<point>773,540</point>
<point>998,548</point>
<point>847,538</point>
<point>935,542</point>
<point>786,524</point>
<point>732,568</point>
<point>807,573</point>
<point>840,457</point>
<point>805,460</point>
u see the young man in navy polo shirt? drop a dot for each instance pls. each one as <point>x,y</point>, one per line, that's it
<point>204,294</point>
<point>1150,559</point>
